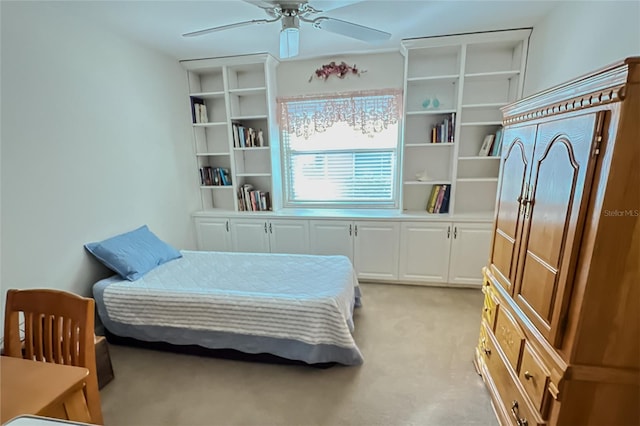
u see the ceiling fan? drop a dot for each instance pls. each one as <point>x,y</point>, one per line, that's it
<point>291,13</point>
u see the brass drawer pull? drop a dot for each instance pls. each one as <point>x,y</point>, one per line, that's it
<point>514,410</point>
<point>483,343</point>
<point>528,375</point>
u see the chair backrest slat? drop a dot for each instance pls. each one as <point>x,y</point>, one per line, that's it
<point>57,339</point>
<point>48,337</point>
<point>67,341</point>
<point>38,336</point>
<point>75,343</point>
<point>28,335</point>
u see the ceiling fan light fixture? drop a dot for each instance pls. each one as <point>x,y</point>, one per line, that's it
<point>291,12</point>
<point>289,37</point>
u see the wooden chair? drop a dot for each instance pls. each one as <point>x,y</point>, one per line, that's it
<point>58,328</point>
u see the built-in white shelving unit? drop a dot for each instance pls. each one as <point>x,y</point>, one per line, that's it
<point>237,92</point>
<point>466,79</point>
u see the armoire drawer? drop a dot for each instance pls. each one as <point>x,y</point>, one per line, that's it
<point>510,337</point>
<point>515,404</point>
<point>484,345</point>
<point>490,308</point>
<point>534,377</point>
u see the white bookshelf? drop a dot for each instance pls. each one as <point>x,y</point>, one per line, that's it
<point>471,76</point>
<point>236,91</point>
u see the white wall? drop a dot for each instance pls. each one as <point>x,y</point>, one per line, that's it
<point>382,71</point>
<point>578,37</point>
<point>96,141</point>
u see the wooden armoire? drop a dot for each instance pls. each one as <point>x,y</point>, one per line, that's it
<point>560,330</point>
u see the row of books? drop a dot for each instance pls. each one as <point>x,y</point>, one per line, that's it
<point>198,111</point>
<point>491,145</point>
<point>443,132</point>
<point>439,199</point>
<point>253,200</point>
<point>246,137</point>
<point>214,176</point>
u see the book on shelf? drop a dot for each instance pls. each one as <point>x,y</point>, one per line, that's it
<point>433,198</point>
<point>260,138</point>
<point>264,200</point>
<point>196,110</point>
<point>246,137</point>
<point>443,132</point>
<point>485,149</point>
<point>443,198</point>
<point>214,176</point>
<point>444,206</point>
<point>251,136</point>
<point>496,149</point>
<point>441,191</point>
<point>250,199</point>
<point>241,136</point>
<point>236,135</point>
<point>203,113</point>
<point>225,177</point>
<point>439,199</point>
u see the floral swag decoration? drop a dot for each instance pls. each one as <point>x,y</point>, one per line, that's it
<point>340,70</point>
<point>368,112</point>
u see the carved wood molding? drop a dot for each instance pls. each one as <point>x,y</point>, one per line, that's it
<point>595,89</point>
<point>615,94</point>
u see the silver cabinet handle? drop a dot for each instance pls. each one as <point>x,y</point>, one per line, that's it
<point>265,227</point>
<point>227,226</point>
<point>455,232</point>
<point>356,230</point>
<point>350,229</point>
<point>270,229</point>
<point>448,232</point>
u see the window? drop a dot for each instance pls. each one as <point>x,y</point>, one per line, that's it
<point>340,152</point>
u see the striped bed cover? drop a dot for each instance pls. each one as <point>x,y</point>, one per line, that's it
<point>298,307</point>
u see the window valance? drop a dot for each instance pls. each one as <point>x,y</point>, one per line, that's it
<point>365,111</point>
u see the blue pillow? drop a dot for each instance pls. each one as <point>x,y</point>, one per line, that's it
<point>133,253</point>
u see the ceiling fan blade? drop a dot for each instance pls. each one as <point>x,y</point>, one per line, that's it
<point>350,29</point>
<point>226,27</point>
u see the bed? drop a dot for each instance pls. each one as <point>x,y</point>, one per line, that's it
<point>298,307</point>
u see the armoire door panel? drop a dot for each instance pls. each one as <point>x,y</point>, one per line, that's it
<point>560,172</point>
<point>519,143</point>
<point>503,247</point>
<point>539,293</point>
<point>557,176</point>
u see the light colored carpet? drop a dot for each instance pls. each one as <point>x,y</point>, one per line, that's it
<point>417,343</point>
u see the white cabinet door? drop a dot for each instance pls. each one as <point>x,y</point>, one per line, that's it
<point>469,252</point>
<point>424,251</point>
<point>376,247</point>
<point>331,237</point>
<point>289,236</point>
<point>213,234</point>
<point>250,235</point>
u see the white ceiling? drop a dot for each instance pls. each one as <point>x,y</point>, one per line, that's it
<point>160,24</point>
